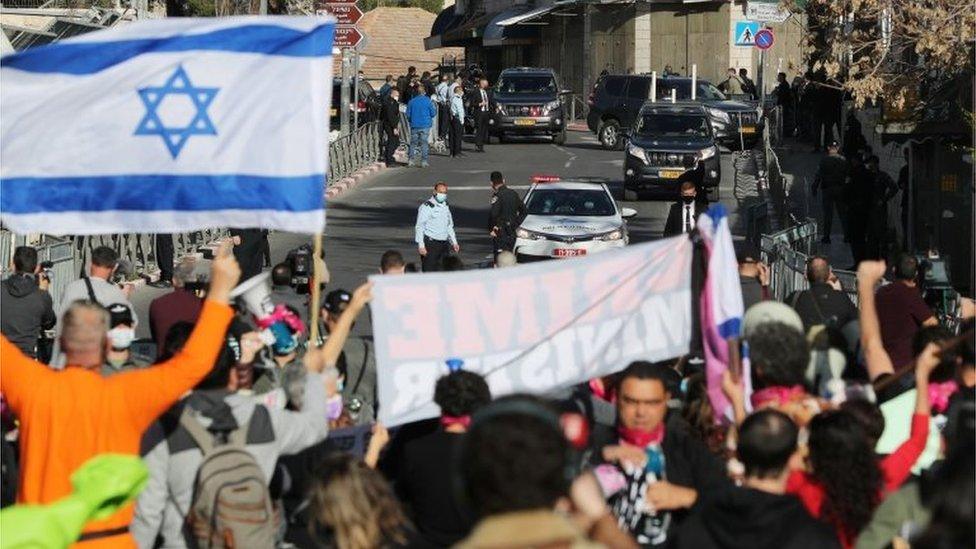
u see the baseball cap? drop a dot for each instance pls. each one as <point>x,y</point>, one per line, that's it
<point>770,311</point>
<point>336,300</point>
<point>119,314</point>
<point>746,250</point>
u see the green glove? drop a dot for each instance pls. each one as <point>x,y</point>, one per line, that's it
<point>101,487</point>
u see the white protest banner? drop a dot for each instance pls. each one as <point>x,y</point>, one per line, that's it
<point>532,328</point>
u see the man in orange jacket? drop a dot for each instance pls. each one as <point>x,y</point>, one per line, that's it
<point>69,416</point>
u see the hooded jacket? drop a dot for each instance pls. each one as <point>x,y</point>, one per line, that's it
<point>733,518</point>
<point>25,310</point>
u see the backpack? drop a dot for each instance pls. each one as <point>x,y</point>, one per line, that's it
<point>232,506</point>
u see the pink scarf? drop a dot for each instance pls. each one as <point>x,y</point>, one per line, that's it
<point>640,437</point>
<point>778,395</point>
<point>283,314</point>
<point>449,421</point>
<point>939,394</point>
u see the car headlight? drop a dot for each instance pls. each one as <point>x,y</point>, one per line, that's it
<point>637,152</point>
<point>720,115</point>
<point>551,106</point>
<point>707,153</point>
<point>612,235</point>
<point>528,235</point>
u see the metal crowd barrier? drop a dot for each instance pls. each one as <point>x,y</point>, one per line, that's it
<point>353,151</point>
<point>786,253</point>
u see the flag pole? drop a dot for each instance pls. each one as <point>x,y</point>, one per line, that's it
<point>313,301</point>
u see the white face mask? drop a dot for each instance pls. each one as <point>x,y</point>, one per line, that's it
<point>121,337</point>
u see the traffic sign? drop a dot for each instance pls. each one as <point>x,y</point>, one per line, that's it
<point>347,37</point>
<point>766,12</point>
<point>745,33</point>
<point>764,39</point>
<point>345,14</point>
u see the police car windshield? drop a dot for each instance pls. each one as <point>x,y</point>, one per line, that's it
<point>673,124</point>
<point>706,91</point>
<point>525,84</point>
<point>570,202</point>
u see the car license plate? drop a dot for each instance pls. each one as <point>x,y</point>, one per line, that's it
<point>748,129</point>
<point>332,112</point>
<point>524,122</point>
<point>669,174</point>
<point>568,252</point>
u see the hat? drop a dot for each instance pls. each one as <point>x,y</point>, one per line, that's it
<point>120,313</point>
<point>770,311</point>
<point>336,300</point>
<point>746,250</point>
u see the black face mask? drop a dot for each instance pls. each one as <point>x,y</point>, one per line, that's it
<point>687,199</point>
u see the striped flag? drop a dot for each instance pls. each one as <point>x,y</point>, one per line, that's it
<point>721,305</point>
<point>169,126</point>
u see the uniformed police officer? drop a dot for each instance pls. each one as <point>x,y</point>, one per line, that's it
<point>434,232</point>
<point>507,213</point>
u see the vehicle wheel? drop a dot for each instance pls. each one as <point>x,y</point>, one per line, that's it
<point>630,195</point>
<point>610,135</point>
<point>618,193</point>
<point>501,138</point>
<point>560,138</point>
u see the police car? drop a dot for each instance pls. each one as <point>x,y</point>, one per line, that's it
<point>569,219</point>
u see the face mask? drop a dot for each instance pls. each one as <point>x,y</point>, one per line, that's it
<point>687,199</point>
<point>121,337</point>
<point>441,197</point>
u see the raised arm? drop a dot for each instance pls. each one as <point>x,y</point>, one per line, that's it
<point>19,375</point>
<point>877,359</point>
<point>150,391</point>
<point>326,356</point>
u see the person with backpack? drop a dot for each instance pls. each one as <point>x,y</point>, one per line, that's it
<point>822,304</point>
<point>211,457</point>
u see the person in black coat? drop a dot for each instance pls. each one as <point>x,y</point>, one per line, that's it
<point>482,114</point>
<point>248,251</point>
<point>758,515</point>
<point>390,120</point>
<point>507,213</point>
<point>654,460</point>
<point>684,214</point>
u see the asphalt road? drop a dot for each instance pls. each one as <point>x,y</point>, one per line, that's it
<point>380,213</point>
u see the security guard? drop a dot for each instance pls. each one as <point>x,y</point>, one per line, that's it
<point>435,230</point>
<point>507,213</point>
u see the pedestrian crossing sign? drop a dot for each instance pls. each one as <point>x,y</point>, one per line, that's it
<point>745,33</point>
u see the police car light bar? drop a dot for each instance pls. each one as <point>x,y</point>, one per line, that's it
<point>542,178</point>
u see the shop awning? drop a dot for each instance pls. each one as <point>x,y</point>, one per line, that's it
<point>530,17</point>
<point>447,20</point>
<point>460,31</point>
<point>497,34</point>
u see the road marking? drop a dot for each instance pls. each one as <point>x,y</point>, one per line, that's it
<point>450,188</point>
<point>572,156</point>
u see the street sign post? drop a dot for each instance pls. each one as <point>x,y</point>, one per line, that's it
<point>766,12</point>
<point>745,33</point>
<point>347,37</point>
<point>764,39</point>
<point>345,14</point>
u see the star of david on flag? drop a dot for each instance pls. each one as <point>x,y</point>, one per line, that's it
<point>177,85</point>
<point>170,125</point>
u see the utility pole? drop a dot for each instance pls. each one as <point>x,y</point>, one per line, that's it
<point>344,94</point>
<point>355,88</point>
<point>587,48</point>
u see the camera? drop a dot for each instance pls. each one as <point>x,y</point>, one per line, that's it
<point>47,270</point>
<point>300,261</point>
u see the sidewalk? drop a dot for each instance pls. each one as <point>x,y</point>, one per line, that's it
<point>799,165</point>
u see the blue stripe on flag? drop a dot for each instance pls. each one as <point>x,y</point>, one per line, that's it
<point>716,211</point>
<point>730,328</point>
<point>26,195</point>
<point>92,57</point>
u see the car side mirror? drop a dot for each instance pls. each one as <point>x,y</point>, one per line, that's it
<point>628,213</point>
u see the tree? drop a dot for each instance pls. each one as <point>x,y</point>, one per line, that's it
<point>433,6</point>
<point>892,50</point>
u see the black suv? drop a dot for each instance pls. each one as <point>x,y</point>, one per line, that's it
<point>529,101</point>
<point>671,143</point>
<point>616,100</point>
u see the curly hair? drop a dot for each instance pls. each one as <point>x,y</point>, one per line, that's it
<point>779,355</point>
<point>356,505</point>
<point>698,412</point>
<point>461,393</point>
<point>844,464</point>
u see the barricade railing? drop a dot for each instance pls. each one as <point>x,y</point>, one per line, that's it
<point>787,252</point>
<point>70,255</point>
<point>353,151</point>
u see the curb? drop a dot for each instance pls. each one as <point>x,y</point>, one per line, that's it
<point>351,181</point>
<point>580,127</point>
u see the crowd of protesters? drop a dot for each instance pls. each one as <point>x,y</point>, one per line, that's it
<point>639,458</point>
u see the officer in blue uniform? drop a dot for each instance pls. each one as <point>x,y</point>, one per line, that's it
<point>434,233</point>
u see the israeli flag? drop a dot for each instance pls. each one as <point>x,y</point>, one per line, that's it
<point>721,304</point>
<point>169,126</point>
